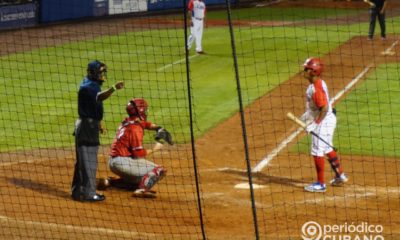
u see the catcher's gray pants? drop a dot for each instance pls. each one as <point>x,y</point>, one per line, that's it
<point>129,169</point>
<point>84,182</point>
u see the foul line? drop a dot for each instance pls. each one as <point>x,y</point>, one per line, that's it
<point>174,63</point>
<point>73,228</point>
<point>352,192</point>
<point>391,47</point>
<point>264,162</point>
<point>7,164</point>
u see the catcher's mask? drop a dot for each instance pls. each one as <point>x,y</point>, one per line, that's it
<point>137,107</point>
<point>97,71</point>
<point>315,64</point>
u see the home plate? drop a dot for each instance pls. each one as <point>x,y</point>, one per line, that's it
<point>247,186</point>
<point>389,53</point>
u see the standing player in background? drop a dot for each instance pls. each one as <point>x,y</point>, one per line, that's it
<point>87,129</point>
<point>319,109</point>
<point>197,10</point>
<point>128,157</point>
<point>377,9</point>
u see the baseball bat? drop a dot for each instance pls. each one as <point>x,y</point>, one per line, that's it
<point>292,117</point>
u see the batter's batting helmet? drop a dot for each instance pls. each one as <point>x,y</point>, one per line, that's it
<point>315,64</point>
<point>96,70</point>
<point>137,107</point>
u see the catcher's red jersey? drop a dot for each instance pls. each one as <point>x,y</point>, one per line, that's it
<point>129,139</point>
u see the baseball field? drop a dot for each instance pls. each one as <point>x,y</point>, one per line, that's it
<point>206,192</point>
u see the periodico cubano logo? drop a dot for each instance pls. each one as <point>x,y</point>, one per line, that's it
<point>348,231</point>
<point>311,231</point>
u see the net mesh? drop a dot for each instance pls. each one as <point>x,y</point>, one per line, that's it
<point>256,49</point>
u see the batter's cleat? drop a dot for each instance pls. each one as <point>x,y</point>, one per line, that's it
<point>200,52</point>
<point>315,187</point>
<point>339,181</point>
<point>143,193</point>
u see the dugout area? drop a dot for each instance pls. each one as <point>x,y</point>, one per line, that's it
<point>41,68</point>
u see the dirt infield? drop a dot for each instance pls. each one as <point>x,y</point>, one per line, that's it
<point>37,205</point>
<point>368,196</point>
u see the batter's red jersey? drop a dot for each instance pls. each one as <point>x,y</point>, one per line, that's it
<point>129,139</point>
<point>320,97</point>
<point>317,97</point>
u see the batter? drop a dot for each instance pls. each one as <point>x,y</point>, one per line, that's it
<point>320,110</point>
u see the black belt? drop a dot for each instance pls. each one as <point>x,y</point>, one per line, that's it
<point>200,19</point>
<point>89,119</point>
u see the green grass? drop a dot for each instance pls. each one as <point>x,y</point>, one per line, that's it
<point>281,14</point>
<point>369,117</point>
<point>39,87</point>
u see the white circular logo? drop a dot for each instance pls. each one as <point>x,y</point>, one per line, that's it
<point>311,231</point>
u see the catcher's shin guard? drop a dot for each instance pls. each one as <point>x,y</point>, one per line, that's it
<point>152,177</point>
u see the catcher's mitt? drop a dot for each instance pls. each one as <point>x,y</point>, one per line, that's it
<point>162,136</point>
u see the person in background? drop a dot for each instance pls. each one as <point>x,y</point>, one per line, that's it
<point>377,10</point>
<point>197,10</point>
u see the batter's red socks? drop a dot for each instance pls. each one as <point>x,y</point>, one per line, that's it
<point>335,163</point>
<point>320,166</point>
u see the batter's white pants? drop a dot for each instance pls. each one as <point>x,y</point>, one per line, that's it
<point>325,130</point>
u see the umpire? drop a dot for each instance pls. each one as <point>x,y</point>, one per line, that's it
<point>87,129</point>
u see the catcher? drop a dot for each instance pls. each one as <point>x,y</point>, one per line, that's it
<point>128,157</point>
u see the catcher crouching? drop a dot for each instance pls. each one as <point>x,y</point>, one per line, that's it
<point>128,157</point>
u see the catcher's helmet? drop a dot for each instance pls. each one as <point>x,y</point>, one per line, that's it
<point>315,64</point>
<point>97,71</point>
<point>137,107</point>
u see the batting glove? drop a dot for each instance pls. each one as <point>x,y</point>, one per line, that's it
<point>312,127</point>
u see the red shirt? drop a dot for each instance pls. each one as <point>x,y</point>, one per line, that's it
<point>190,5</point>
<point>197,8</point>
<point>319,97</point>
<point>129,139</point>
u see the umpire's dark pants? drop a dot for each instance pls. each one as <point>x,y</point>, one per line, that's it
<point>374,13</point>
<point>84,182</point>
<point>87,147</point>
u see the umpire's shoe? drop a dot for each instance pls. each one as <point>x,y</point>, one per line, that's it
<point>95,198</point>
<point>76,197</point>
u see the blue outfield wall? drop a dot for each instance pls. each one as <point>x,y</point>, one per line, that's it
<point>58,10</point>
<point>17,16</point>
<point>156,5</point>
<point>47,11</point>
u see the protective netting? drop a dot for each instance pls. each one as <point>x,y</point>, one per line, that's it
<point>253,55</point>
